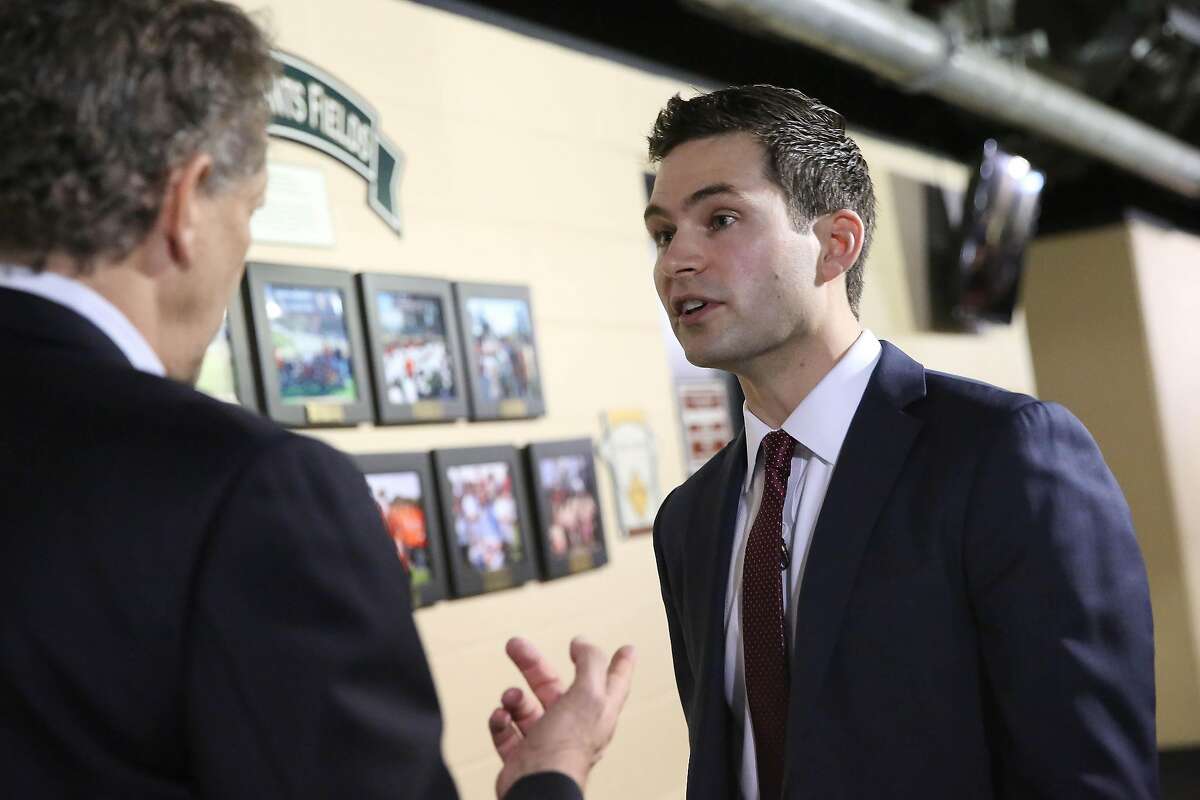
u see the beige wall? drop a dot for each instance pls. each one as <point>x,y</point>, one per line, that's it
<point>1110,316</point>
<point>525,165</point>
<point>1168,283</point>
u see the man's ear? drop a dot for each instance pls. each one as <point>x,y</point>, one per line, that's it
<point>841,234</point>
<point>179,218</point>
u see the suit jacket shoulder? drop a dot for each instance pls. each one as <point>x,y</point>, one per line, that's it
<point>193,599</point>
<point>714,476</point>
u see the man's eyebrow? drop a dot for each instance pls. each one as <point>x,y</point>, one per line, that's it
<point>695,197</point>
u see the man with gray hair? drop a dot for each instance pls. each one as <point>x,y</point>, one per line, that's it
<point>193,601</point>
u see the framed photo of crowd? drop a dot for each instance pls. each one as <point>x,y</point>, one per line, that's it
<point>570,531</point>
<point>485,517</point>
<point>503,371</point>
<point>227,372</point>
<point>415,357</point>
<point>403,488</point>
<point>309,345</point>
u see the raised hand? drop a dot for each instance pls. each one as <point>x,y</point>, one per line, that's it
<point>556,730</point>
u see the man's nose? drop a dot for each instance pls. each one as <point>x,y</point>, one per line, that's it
<point>684,255</point>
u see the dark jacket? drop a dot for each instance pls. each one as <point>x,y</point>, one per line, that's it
<point>973,620</point>
<point>194,602</point>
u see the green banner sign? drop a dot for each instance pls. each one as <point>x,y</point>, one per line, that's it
<point>312,107</point>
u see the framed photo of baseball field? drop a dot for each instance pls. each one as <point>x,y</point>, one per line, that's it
<point>308,345</point>
<point>415,357</point>
<point>227,372</point>
<point>570,531</point>
<point>503,370</point>
<point>402,486</point>
<point>485,517</point>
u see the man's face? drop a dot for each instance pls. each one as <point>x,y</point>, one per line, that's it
<point>737,279</point>
<point>195,301</point>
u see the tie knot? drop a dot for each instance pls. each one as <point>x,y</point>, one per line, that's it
<point>777,449</point>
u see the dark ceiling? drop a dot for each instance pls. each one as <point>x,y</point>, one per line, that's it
<point>1140,56</point>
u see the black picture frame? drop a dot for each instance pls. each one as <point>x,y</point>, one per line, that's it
<point>507,392</point>
<point>385,474</point>
<point>565,496</point>
<point>237,358</point>
<point>459,472</point>
<point>394,401</point>
<point>316,411</point>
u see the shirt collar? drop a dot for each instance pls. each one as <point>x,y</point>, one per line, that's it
<point>821,420</point>
<point>90,305</point>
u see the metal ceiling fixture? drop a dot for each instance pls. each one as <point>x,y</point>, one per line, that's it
<point>921,56</point>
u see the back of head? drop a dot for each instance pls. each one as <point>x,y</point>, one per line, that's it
<point>100,99</point>
<point>808,154</point>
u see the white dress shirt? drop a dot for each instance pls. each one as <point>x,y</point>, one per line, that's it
<point>819,426</point>
<point>90,305</point>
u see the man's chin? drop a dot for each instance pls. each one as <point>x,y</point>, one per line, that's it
<point>708,358</point>
<point>705,347</point>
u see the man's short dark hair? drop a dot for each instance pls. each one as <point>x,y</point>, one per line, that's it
<point>101,99</point>
<point>808,154</point>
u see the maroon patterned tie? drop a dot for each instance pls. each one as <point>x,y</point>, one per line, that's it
<point>763,639</point>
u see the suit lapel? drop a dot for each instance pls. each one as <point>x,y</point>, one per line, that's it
<point>871,459</point>
<point>709,549</point>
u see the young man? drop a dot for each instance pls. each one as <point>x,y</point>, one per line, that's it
<point>895,583</point>
<point>193,601</point>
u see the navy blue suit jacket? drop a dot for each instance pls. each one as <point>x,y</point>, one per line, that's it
<point>973,621</point>
<point>194,602</point>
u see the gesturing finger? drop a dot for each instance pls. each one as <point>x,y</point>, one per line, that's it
<point>538,673</point>
<point>523,709</point>
<point>589,666</point>
<point>620,676</point>
<point>505,736</point>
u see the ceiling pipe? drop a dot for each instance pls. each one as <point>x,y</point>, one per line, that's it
<point>920,56</point>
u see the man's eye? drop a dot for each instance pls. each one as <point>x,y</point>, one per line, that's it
<point>662,238</point>
<point>722,220</point>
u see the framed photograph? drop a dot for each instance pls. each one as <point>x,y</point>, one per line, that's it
<point>627,446</point>
<point>227,372</point>
<point>308,345</point>
<point>402,486</point>
<point>570,531</point>
<point>485,518</point>
<point>503,370</point>
<point>704,413</point>
<point>415,357</point>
